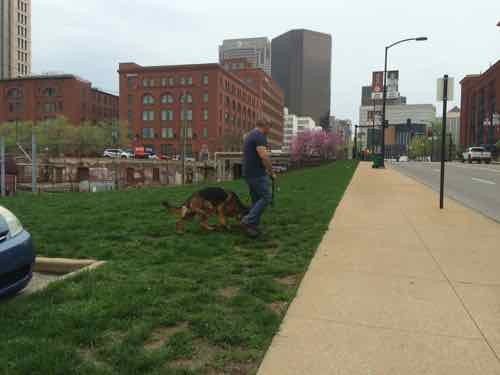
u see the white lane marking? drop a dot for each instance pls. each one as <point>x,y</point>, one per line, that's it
<point>475,167</point>
<point>484,181</point>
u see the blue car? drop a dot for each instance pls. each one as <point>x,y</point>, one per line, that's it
<point>17,254</point>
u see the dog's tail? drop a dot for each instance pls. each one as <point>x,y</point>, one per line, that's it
<point>172,209</point>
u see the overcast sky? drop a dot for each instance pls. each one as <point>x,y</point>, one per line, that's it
<point>89,38</point>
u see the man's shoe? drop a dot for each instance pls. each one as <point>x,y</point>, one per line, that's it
<point>251,230</point>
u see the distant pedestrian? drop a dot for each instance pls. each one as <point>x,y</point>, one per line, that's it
<point>257,169</point>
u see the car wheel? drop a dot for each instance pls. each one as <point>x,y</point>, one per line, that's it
<point>487,161</point>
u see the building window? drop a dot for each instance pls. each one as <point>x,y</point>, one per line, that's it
<point>183,81</point>
<point>171,81</point>
<point>49,107</point>
<point>187,97</point>
<point>188,132</point>
<point>148,133</point>
<point>130,100</point>
<point>189,80</point>
<point>148,99</point>
<point>14,93</point>
<point>167,133</point>
<point>226,117</point>
<point>205,97</point>
<point>167,115</point>
<point>204,79</point>
<point>148,115</point>
<point>187,115</point>
<point>130,82</point>
<point>227,100</point>
<point>148,82</point>
<point>49,91</point>
<point>164,82</point>
<point>167,149</point>
<point>167,99</point>
<point>129,116</point>
<point>205,114</point>
<point>204,133</point>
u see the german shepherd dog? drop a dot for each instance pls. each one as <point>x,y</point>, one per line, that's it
<point>207,202</point>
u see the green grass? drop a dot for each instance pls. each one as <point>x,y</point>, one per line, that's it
<point>163,304</point>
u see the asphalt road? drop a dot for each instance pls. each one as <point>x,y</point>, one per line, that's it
<point>475,185</point>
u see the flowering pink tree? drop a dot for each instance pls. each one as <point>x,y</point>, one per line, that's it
<point>311,143</point>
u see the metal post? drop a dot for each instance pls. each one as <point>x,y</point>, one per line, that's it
<point>2,155</point>
<point>443,140</point>
<point>384,99</point>
<point>432,144</point>
<point>34,167</point>
<point>355,152</point>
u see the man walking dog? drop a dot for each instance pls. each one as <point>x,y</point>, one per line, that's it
<point>257,168</point>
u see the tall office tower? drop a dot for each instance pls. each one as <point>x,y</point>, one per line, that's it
<point>15,38</point>
<point>257,51</point>
<point>302,62</point>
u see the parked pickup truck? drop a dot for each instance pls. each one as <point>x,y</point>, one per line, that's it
<point>478,154</point>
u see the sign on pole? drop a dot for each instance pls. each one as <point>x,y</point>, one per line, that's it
<point>440,89</point>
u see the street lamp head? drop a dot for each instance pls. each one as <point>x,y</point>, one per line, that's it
<point>421,39</point>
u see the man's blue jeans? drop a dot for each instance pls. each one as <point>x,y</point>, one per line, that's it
<point>261,195</point>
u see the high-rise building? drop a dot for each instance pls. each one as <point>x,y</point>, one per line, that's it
<point>257,51</point>
<point>302,62</point>
<point>15,38</point>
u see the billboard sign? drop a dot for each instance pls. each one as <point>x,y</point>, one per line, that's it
<point>377,85</point>
<point>392,85</point>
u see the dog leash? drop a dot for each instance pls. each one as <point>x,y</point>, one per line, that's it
<point>275,188</point>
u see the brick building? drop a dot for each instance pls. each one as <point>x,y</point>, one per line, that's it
<point>219,107</point>
<point>480,103</point>
<point>271,96</point>
<point>41,98</point>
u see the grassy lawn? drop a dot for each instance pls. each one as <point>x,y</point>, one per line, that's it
<point>200,303</point>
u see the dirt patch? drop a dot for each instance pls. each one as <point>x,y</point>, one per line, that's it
<point>162,334</point>
<point>88,355</point>
<point>204,355</point>
<point>290,280</point>
<point>229,292</point>
<point>279,307</point>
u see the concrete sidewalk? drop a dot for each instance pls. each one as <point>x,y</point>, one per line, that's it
<point>396,287</point>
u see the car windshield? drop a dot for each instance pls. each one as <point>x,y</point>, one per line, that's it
<point>477,149</point>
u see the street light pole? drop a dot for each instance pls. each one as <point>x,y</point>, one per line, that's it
<point>384,98</point>
<point>355,154</point>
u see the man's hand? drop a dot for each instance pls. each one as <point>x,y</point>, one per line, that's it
<point>262,151</point>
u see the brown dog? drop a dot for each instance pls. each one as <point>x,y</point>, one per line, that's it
<point>207,202</point>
